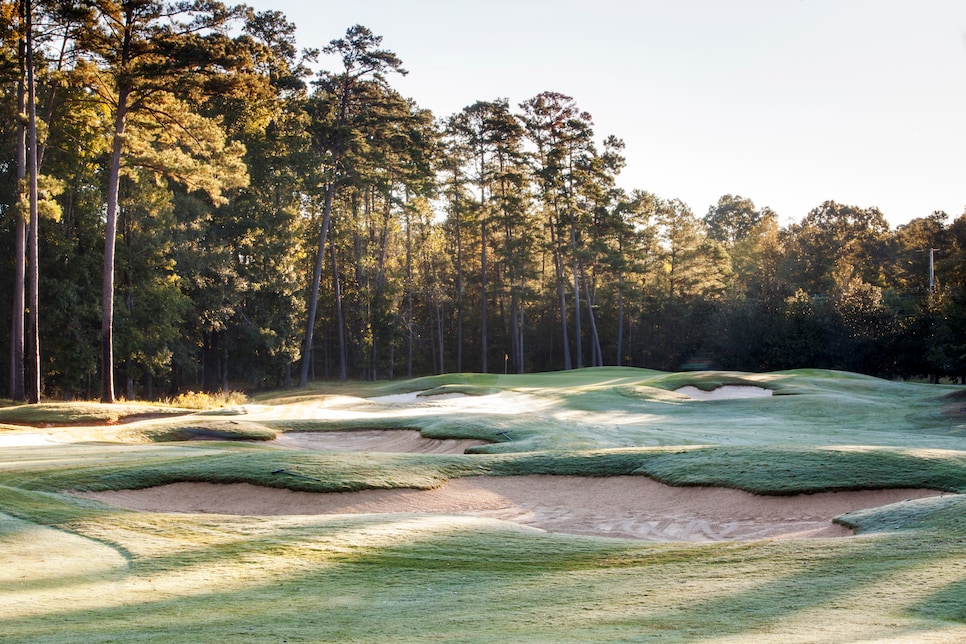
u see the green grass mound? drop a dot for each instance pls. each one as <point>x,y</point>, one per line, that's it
<point>200,428</point>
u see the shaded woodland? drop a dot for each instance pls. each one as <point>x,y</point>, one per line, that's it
<point>185,204</point>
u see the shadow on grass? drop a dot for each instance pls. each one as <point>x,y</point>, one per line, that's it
<point>947,604</point>
<point>465,585</point>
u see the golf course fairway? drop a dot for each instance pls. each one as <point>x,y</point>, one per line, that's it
<point>606,504</point>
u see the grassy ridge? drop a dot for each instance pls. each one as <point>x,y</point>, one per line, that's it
<point>760,470</point>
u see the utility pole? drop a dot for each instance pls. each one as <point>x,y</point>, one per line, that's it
<point>932,270</point>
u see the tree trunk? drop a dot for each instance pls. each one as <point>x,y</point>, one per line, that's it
<point>521,327</point>
<point>483,313</point>
<point>620,319</point>
<point>374,371</point>
<point>578,332</point>
<point>597,357</point>
<point>562,299</point>
<point>459,291</point>
<point>210,361</point>
<point>129,379</point>
<point>347,82</point>
<point>514,328</point>
<point>33,226</point>
<point>17,384</point>
<point>316,281</point>
<point>110,239</point>
<point>224,362</point>
<point>439,330</point>
<point>409,295</point>
<point>339,317</point>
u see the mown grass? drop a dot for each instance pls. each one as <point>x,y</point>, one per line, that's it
<point>50,414</point>
<point>194,578</point>
<point>198,428</point>
<point>75,570</point>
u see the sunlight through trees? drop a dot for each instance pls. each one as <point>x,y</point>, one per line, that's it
<point>208,212</point>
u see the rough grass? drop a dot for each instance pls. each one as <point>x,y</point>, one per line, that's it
<point>54,414</point>
<point>76,570</point>
<point>205,400</point>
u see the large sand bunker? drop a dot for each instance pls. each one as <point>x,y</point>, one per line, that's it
<point>623,506</point>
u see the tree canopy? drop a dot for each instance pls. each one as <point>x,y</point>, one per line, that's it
<point>211,213</point>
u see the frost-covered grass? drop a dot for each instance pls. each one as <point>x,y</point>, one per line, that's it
<point>53,414</point>
<point>75,570</point>
<point>618,407</point>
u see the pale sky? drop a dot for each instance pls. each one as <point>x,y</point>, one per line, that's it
<point>787,102</point>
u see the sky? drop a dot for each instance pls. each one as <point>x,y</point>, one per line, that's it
<point>787,102</point>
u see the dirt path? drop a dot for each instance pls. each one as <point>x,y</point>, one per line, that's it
<point>623,506</point>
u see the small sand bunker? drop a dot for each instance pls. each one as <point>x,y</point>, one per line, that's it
<point>23,440</point>
<point>727,392</point>
<point>622,506</point>
<point>414,396</point>
<point>374,440</point>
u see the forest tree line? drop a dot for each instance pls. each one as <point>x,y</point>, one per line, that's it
<point>186,205</point>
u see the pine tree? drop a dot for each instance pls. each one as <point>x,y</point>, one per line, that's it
<point>336,111</point>
<point>149,60</point>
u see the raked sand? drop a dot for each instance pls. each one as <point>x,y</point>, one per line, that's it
<point>622,506</point>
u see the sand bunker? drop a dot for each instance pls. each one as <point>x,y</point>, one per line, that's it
<point>727,392</point>
<point>374,440</point>
<point>23,440</point>
<point>414,396</point>
<point>623,506</point>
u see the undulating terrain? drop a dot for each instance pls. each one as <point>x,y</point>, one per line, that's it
<point>598,504</point>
